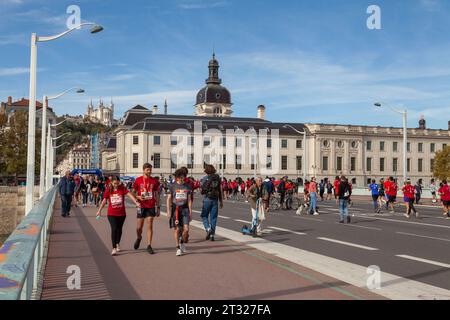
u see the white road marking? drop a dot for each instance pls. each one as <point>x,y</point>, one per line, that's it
<point>348,244</point>
<point>305,218</point>
<point>440,264</point>
<point>420,236</point>
<point>243,221</point>
<point>287,230</point>
<point>363,227</point>
<point>224,217</point>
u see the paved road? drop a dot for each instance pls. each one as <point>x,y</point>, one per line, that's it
<point>415,249</point>
<point>224,269</point>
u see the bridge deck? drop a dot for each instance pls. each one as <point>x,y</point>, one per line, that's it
<point>211,270</point>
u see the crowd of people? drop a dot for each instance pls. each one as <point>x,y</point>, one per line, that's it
<point>145,192</point>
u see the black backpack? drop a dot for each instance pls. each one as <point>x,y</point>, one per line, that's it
<point>211,187</point>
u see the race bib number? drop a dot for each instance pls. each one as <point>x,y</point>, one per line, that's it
<point>147,195</point>
<point>180,195</point>
<point>116,201</point>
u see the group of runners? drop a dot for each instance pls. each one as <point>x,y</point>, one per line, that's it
<point>146,196</point>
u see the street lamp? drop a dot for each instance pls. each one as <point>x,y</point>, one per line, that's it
<point>43,143</point>
<point>32,107</point>
<point>304,147</point>
<point>404,113</point>
<point>49,157</point>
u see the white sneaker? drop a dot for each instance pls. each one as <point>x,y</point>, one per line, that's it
<point>182,248</point>
<point>316,213</point>
<point>114,252</point>
<point>417,214</point>
<point>406,215</point>
<point>117,248</point>
<point>299,211</point>
<point>179,252</point>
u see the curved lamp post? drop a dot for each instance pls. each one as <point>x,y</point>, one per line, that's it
<point>404,113</point>
<point>32,107</point>
<point>42,187</point>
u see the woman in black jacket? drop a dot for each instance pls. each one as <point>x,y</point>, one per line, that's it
<point>344,195</point>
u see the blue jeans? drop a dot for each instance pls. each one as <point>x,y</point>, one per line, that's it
<point>210,211</point>
<point>343,209</point>
<point>313,197</point>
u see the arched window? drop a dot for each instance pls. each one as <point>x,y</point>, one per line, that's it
<point>217,111</point>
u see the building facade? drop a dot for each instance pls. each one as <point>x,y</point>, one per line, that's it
<point>359,152</point>
<point>22,105</point>
<point>77,158</point>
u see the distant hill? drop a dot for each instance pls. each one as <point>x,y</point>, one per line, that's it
<point>78,134</point>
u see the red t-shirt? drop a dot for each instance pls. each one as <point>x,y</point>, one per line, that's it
<point>150,186</point>
<point>336,185</point>
<point>408,191</point>
<point>116,201</point>
<point>392,188</point>
<point>444,191</point>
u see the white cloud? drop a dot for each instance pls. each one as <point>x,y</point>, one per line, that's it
<point>122,77</point>
<point>431,5</point>
<point>13,71</point>
<point>201,4</point>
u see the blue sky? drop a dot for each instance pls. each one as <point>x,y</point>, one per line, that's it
<point>307,61</point>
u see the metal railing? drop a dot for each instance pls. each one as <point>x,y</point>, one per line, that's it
<point>21,256</point>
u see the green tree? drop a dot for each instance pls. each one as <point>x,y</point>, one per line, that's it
<point>14,145</point>
<point>442,164</point>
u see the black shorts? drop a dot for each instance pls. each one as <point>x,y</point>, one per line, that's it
<point>183,218</point>
<point>392,199</point>
<point>143,213</point>
<point>446,203</point>
<point>375,197</point>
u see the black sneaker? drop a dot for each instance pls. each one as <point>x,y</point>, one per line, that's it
<point>137,243</point>
<point>208,235</point>
<point>150,250</point>
<point>341,221</point>
<point>212,238</point>
<point>349,219</point>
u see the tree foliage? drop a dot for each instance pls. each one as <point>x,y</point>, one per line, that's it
<point>14,144</point>
<point>442,164</point>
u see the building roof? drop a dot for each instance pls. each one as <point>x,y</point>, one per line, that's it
<point>112,142</point>
<point>173,123</point>
<point>25,103</point>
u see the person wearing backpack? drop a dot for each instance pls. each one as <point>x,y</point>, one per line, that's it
<point>344,194</point>
<point>212,191</point>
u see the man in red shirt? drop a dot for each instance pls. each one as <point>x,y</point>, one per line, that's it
<point>444,192</point>
<point>391,192</point>
<point>146,189</point>
<point>408,192</point>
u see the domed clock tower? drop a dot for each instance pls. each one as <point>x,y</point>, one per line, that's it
<point>214,100</point>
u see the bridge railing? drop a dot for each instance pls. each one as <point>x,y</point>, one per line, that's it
<point>22,254</point>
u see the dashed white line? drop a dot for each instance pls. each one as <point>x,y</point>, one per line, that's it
<point>305,218</point>
<point>440,264</point>
<point>363,227</point>
<point>243,221</point>
<point>287,230</point>
<point>348,244</point>
<point>420,236</point>
<point>224,217</point>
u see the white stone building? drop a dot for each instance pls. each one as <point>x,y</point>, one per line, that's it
<point>358,152</point>
<point>102,114</point>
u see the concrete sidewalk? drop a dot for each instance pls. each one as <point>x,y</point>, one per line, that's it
<point>210,270</point>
